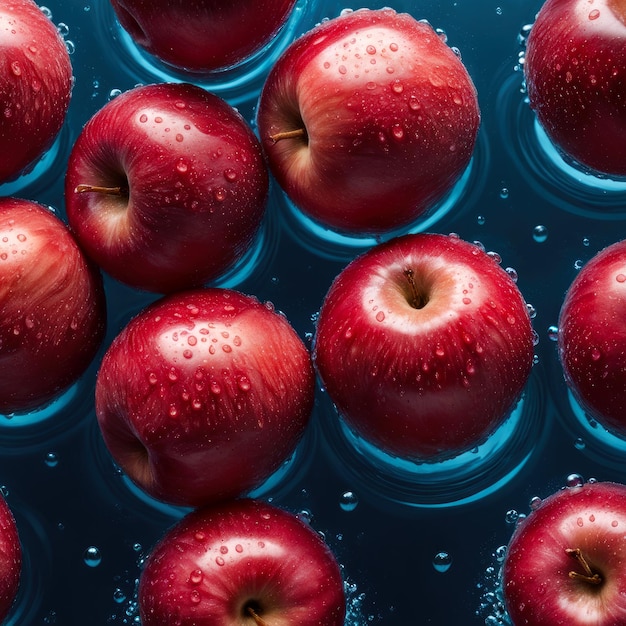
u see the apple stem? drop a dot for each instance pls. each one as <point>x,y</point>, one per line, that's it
<point>416,300</point>
<point>288,134</point>
<point>591,577</point>
<point>111,191</point>
<point>256,617</point>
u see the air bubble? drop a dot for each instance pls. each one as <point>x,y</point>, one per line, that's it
<point>92,556</point>
<point>575,480</point>
<point>51,459</point>
<point>442,562</point>
<point>540,233</point>
<point>553,333</point>
<point>349,501</point>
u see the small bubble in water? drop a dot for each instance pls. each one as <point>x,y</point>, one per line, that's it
<point>500,553</point>
<point>532,311</point>
<point>92,556</point>
<point>51,459</point>
<point>349,501</point>
<point>511,517</point>
<point>442,562</point>
<point>586,242</point>
<point>535,503</point>
<point>579,443</point>
<point>512,272</point>
<point>119,596</point>
<point>540,233</point>
<point>575,480</point>
<point>504,193</point>
<point>480,220</point>
<point>553,333</point>
<point>63,29</point>
<point>70,46</point>
<point>578,263</point>
<point>114,93</point>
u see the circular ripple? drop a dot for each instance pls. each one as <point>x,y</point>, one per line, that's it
<point>555,177</point>
<point>466,478</point>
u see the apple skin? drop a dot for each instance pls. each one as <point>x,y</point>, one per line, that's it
<point>203,395</point>
<point>10,559</point>
<point>204,36</point>
<point>424,344</point>
<point>36,83</point>
<point>193,187</point>
<point>52,307</point>
<point>575,53</point>
<point>218,562</point>
<point>592,337</point>
<point>389,115</point>
<point>538,589</point>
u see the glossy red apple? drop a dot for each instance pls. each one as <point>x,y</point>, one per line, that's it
<point>10,559</point>
<point>592,337</point>
<point>368,120</point>
<point>166,187</point>
<point>35,85</point>
<point>243,563</point>
<point>204,395</point>
<point>575,55</point>
<point>202,36</point>
<point>566,562</point>
<point>52,307</point>
<point>424,344</point>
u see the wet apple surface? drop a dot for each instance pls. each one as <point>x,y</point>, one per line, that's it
<point>417,540</point>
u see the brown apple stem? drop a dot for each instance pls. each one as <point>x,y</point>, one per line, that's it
<point>591,577</point>
<point>416,299</point>
<point>111,191</point>
<point>288,134</point>
<point>256,617</point>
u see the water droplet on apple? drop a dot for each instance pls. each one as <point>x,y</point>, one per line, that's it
<point>380,316</point>
<point>342,69</point>
<point>467,300</point>
<point>195,597</point>
<point>397,86</point>
<point>219,194</point>
<point>220,561</point>
<point>596,354</point>
<point>179,138</point>
<point>442,562</point>
<point>16,68</point>
<point>621,278</point>
<point>182,167</point>
<point>535,503</point>
<point>230,174</point>
<point>575,480</point>
<point>92,556</point>
<point>348,501</point>
<point>114,93</point>
<point>196,577</point>
<point>414,104</point>
<point>215,388</point>
<point>594,15</point>
<point>397,131</point>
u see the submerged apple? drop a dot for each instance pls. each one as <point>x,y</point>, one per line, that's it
<point>10,559</point>
<point>575,56</point>
<point>368,120</point>
<point>203,395</point>
<point>566,562</point>
<point>202,36</point>
<point>35,85</point>
<point>52,307</point>
<point>424,344</point>
<point>592,337</point>
<point>243,563</point>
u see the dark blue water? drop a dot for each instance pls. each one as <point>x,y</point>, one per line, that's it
<point>419,545</point>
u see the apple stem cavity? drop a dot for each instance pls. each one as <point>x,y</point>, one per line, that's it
<point>111,191</point>
<point>591,577</point>
<point>288,134</point>
<point>415,298</point>
<point>259,621</point>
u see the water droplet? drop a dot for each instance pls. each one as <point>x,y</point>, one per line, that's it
<point>195,578</point>
<point>182,167</point>
<point>380,316</point>
<point>114,93</point>
<point>16,68</point>
<point>92,556</point>
<point>219,194</point>
<point>179,138</point>
<point>370,49</point>
<point>393,47</point>
<point>511,516</point>
<point>621,278</point>
<point>535,503</point>
<point>51,459</point>
<point>397,86</point>
<point>442,562</point>
<point>195,597</point>
<point>230,174</point>
<point>596,354</point>
<point>512,272</point>
<point>220,560</point>
<point>504,193</point>
<point>575,480</point>
<point>342,69</point>
<point>119,596</point>
<point>349,501</point>
<point>540,233</point>
<point>594,15</point>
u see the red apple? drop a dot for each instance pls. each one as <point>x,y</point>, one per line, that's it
<point>52,307</point>
<point>566,562</point>
<point>35,85</point>
<point>243,563</point>
<point>368,120</point>
<point>575,55</point>
<point>424,343</point>
<point>166,187</point>
<point>10,559</point>
<point>592,337</point>
<point>202,36</point>
<point>204,395</point>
